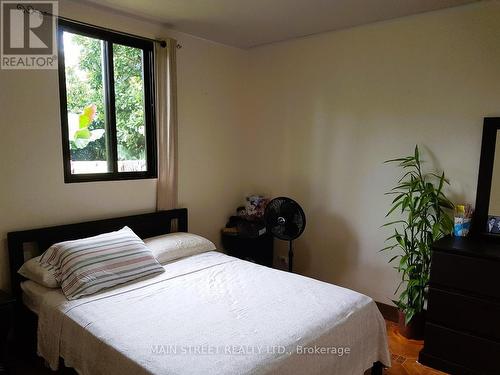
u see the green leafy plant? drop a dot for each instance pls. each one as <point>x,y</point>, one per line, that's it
<point>422,206</point>
<point>79,132</point>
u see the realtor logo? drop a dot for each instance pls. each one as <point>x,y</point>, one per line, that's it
<point>28,34</point>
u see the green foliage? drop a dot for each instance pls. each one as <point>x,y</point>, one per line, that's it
<point>85,88</point>
<point>129,102</point>
<point>422,206</point>
<point>80,134</point>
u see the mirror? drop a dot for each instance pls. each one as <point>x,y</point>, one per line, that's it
<point>487,213</point>
<point>493,224</point>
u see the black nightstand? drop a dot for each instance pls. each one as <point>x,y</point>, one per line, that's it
<point>7,303</point>
<point>254,249</point>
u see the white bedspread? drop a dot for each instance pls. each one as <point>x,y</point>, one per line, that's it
<point>214,314</point>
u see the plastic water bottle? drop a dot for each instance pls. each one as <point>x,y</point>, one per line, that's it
<point>458,227</point>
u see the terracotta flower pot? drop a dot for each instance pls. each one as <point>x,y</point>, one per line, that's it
<point>415,329</point>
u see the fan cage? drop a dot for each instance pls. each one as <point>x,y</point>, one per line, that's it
<point>285,219</point>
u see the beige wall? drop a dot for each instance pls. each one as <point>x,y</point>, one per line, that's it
<point>32,191</point>
<point>312,118</point>
<point>329,109</point>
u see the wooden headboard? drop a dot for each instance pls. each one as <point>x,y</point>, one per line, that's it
<point>145,225</point>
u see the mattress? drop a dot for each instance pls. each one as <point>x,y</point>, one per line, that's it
<point>214,314</point>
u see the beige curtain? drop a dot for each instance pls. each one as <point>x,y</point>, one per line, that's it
<point>166,123</point>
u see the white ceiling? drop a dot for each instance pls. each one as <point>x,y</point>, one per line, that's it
<point>249,23</point>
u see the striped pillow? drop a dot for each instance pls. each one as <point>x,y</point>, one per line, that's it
<point>91,264</point>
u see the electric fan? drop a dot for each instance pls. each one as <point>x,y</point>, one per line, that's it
<point>286,220</point>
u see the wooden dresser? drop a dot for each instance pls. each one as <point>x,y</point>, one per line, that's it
<point>462,332</point>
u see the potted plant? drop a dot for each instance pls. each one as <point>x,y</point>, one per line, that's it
<point>422,208</point>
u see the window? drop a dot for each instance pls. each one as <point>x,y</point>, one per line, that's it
<point>107,104</point>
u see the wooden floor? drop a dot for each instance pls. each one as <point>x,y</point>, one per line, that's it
<point>404,354</point>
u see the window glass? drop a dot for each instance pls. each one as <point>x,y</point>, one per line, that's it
<point>129,108</point>
<point>83,60</point>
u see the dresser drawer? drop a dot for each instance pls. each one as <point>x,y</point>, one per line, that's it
<point>464,313</point>
<point>462,349</point>
<point>476,275</point>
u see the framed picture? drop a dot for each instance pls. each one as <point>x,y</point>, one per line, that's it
<point>493,224</point>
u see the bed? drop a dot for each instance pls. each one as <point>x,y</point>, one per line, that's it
<point>206,314</point>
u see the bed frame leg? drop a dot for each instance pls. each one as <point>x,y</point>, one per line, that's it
<point>377,368</point>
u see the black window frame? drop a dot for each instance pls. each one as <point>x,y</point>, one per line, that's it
<point>109,39</point>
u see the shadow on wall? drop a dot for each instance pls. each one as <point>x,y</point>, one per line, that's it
<point>318,146</point>
<point>457,194</point>
<point>328,249</point>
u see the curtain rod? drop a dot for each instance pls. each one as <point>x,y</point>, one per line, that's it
<point>31,9</point>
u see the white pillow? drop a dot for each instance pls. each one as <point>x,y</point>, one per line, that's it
<point>40,273</point>
<point>172,246</point>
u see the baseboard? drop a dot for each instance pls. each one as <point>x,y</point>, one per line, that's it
<point>388,312</point>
